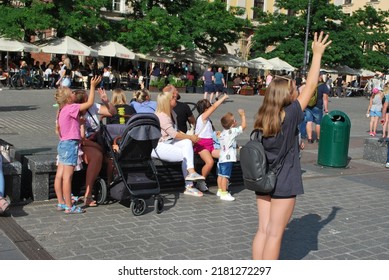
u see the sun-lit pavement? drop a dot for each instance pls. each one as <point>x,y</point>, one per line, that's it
<point>342,215</point>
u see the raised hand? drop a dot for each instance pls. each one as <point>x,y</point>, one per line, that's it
<point>320,43</point>
<point>95,81</point>
<point>103,95</point>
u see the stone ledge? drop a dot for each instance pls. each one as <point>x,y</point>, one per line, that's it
<point>43,169</point>
<point>375,150</point>
<point>13,179</point>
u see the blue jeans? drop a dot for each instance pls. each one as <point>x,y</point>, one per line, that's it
<point>2,185</point>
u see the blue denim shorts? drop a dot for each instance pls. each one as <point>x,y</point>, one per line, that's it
<point>224,169</point>
<point>375,113</point>
<point>68,152</point>
<point>313,115</point>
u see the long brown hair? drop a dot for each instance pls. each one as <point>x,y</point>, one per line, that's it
<point>271,114</point>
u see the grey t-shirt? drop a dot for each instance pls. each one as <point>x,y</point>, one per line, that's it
<point>289,179</point>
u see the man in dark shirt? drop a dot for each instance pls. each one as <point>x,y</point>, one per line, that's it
<point>184,115</point>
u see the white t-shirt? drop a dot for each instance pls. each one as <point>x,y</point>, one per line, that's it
<point>207,131</point>
<point>227,141</point>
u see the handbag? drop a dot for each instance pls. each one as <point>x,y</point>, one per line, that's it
<point>7,151</point>
<point>191,130</point>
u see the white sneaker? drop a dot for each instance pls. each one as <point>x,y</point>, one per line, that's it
<point>227,197</point>
<point>202,186</point>
<point>387,165</point>
<point>219,193</point>
<point>194,177</point>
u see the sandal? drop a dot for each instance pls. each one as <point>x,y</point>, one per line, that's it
<point>89,202</point>
<point>74,210</point>
<point>193,191</point>
<point>3,205</point>
<point>75,199</point>
<point>61,207</point>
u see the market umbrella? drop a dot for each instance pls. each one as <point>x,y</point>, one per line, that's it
<point>261,63</point>
<point>280,64</point>
<point>156,56</point>
<point>228,60</point>
<point>67,45</point>
<point>346,70</point>
<point>194,56</point>
<point>366,73</point>
<point>11,45</point>
<point>113,49</point>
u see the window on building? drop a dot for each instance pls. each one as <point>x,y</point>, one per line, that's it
<point>347,1</point>
<point>259,6</point>
<point>118,5</point>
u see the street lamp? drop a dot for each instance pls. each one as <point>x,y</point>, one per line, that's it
<point>305,62</point>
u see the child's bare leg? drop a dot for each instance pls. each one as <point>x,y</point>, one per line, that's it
<point>205,95</point>
<point>224,184</point>
<point>58,184</point>
<point>68,171</point>
<point>208,159</point>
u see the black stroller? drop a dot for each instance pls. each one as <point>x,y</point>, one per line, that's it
<point>135,178</point>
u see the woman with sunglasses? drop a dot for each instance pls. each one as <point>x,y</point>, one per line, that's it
<point>278,119</point>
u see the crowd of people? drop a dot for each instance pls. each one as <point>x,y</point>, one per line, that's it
<point>285,114</point>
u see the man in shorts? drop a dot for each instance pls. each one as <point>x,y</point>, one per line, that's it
<point>313,115</point>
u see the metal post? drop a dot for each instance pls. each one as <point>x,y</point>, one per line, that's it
<point>305,62</point>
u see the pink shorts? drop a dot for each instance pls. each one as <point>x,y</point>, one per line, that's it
<point>203,143</point>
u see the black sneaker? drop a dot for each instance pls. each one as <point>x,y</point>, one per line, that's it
<point>310,141</point>
<point>216,98</point>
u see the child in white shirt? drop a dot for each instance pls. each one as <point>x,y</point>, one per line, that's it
<point>228,151</point>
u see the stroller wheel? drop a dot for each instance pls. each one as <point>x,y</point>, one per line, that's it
<point>138,206</point>
<point>100,191</point>
<point>158,204</point>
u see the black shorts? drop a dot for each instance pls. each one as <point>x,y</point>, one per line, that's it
<point>275,196</point>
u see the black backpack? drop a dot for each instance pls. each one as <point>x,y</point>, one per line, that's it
<point>258,175</point>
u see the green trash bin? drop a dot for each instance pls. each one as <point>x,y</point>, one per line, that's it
<point>334,139</point>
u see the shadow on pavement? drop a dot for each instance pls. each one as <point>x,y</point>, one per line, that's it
<point>17,108</point>
<point>301,235</point>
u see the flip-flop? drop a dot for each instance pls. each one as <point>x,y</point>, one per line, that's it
<point>89,202</point>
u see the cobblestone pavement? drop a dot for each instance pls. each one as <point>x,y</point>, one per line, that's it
<point>342,215</point>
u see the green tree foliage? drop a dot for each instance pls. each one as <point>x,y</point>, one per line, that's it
<point>374,37</point>
<point>82,20</point>
<point>23,21</point>
<point>169,25</point>
<point>286,33</point>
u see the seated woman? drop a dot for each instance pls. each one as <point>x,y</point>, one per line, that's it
<point>93,153</point>
<point>142,103</point>
<point>124,111</point>
<point>175,146</point>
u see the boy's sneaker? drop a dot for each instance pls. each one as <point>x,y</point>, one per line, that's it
<point>227,197</point>
<point>194,177</point>
<point>202,186</point>
<point>193,192</point>
<point>387,165</point>
<point>219,192</point>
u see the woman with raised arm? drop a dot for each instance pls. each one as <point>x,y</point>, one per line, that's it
<point>278,119</point>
